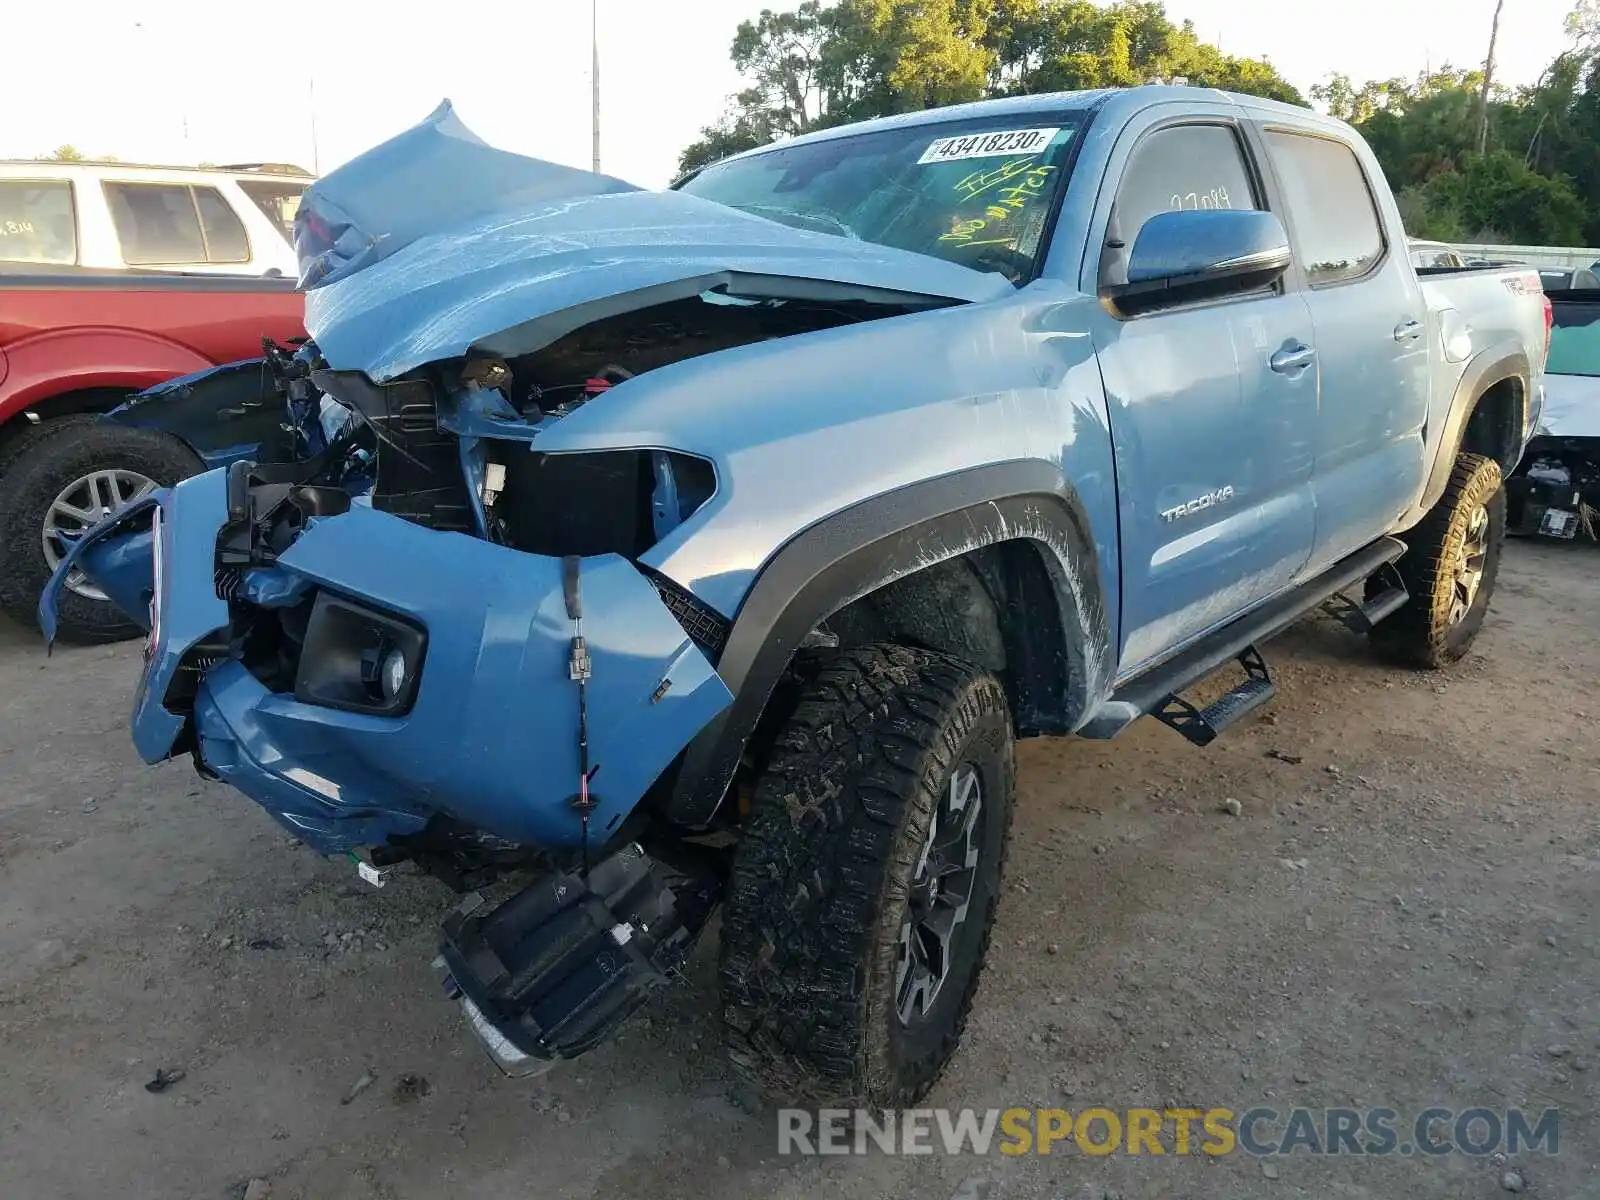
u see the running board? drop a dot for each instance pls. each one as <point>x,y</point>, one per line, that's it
<point>1202,726</point>
<point>1147,693</point>
<point>1361,618</point>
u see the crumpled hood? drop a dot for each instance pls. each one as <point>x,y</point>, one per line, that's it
<point>433,244</point>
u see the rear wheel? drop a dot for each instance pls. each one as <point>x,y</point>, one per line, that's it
<point>58,487</point>
<point>863,892</point>
<point>1450,566</point>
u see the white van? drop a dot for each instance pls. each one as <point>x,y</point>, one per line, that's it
<point>235,220</point>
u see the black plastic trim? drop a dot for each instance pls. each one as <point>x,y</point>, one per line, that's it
<point>856,551</point>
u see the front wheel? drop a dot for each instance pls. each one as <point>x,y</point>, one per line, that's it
<point>1450,566</point>
<point>863,892</point>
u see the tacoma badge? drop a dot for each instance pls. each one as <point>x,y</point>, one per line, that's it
<point>1221,496</point>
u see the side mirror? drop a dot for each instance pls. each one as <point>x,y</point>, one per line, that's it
<point>1199,254</point>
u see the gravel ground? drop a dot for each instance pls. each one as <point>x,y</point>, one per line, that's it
<point>1405,915</point>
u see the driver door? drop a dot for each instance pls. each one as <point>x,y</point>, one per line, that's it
<point>1213,404</point>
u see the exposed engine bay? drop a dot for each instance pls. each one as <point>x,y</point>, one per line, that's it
<point>454,446</point>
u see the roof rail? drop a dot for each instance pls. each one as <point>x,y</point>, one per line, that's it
<point>288,169</point>
<point>267,168</point>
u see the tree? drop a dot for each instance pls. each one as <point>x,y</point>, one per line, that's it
<point>1488,79</point>
<point>731,135</point>
<point>1474,161</point>
<point>826,64</point>
<point>65,153</point>
<point>781,53</point>
<point>1498,192</point>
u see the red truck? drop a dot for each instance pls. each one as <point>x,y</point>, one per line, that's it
<point>75,344</point>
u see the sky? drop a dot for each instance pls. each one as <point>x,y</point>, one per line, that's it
<point>187,81</point>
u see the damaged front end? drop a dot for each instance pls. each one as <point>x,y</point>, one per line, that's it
<point>392,679</point>
<point>361,675</point>
<point>433,636</point>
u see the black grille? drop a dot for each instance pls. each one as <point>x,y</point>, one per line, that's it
<point>706,628</point>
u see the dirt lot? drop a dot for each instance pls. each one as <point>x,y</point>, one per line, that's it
<point>1405,917</point>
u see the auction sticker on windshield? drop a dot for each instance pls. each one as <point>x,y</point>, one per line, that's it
<point>986,145</point>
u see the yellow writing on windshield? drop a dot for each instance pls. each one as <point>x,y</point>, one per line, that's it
<point>1023,179</point>
<point>979,182</point>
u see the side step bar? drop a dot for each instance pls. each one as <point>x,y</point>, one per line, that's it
<point>1360,618</point>
<point>1149,692</point>
<point>1202,726</point>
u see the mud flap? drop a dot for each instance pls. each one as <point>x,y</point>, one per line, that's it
<point>558,968</point>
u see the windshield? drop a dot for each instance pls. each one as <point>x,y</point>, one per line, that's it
<point>1574,338</point>
<point>978,192</point>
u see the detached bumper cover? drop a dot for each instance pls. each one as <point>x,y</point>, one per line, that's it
<point>492,738</point>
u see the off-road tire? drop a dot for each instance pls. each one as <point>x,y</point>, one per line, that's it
<point>820,883</point>
<point>1421,633</point>
<point>31,484</point>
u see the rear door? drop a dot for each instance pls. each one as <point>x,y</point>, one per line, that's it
<point>1212,439</point>
<point>1371,325</point>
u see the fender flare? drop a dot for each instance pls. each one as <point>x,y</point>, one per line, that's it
<point>858,550</point>
<point>69,360</point>
<point>1493,365</point>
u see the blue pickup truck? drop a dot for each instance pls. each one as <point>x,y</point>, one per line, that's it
<point>709,548</point>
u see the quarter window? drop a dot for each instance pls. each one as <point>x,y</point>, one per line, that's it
<point>1336,222</point>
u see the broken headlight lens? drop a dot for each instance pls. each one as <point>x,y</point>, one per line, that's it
<point>359,659</point>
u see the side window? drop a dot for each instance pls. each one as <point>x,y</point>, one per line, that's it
<point>36,222</point>
<point>279,201</point>
<point>156,224</point>
<point>224,232</point>
<point>1182,167</point>
<point>1336,222</point>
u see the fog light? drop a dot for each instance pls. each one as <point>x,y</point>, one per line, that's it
<point>392,675</point>
<point>358,658</point>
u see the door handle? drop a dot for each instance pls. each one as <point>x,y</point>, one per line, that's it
<point>1408,331</point>
<point>1294,358</point>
